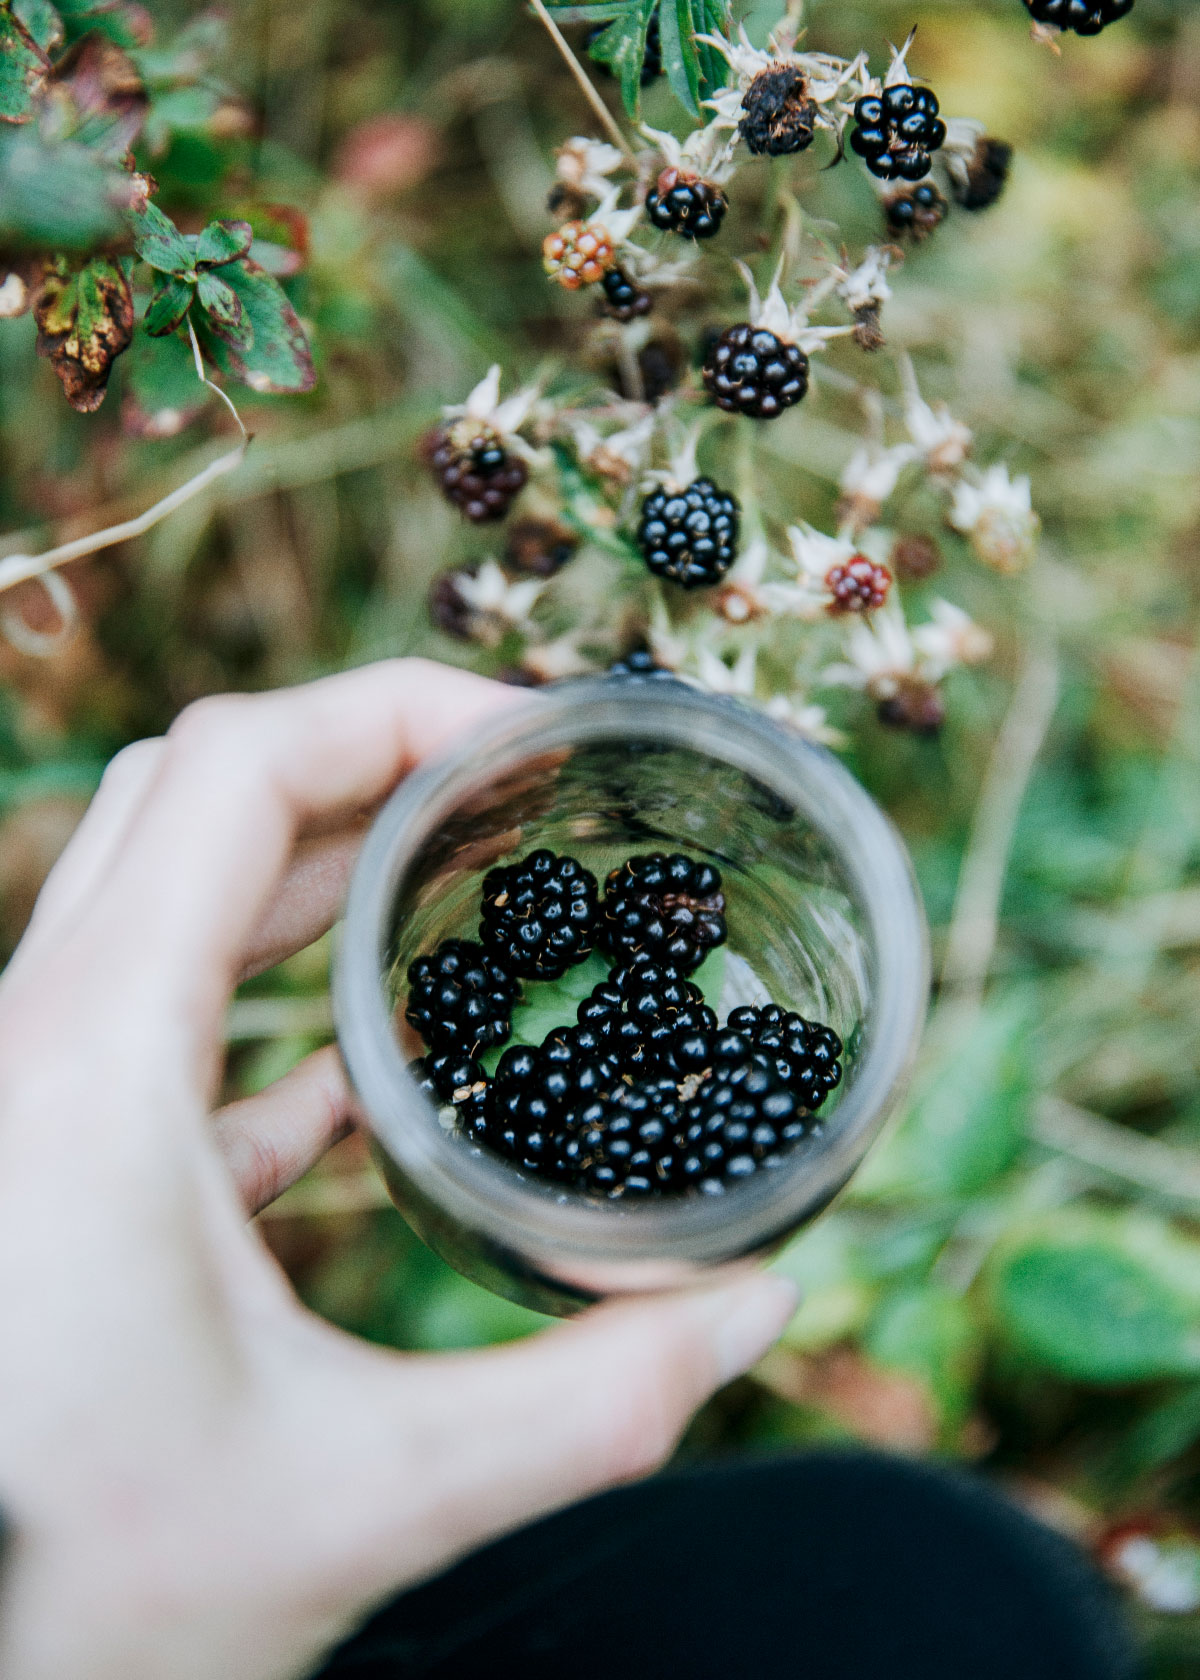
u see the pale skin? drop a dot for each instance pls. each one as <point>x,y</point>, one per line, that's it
<point>204,1481</point>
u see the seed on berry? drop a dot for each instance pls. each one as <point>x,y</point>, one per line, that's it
<point>915,212</point>
<point>624,299</point>
<point>669,909</point>
<point>750,370</point>
<point>895,132</point>
<point>460,999</point>
<point>986,175</point>
<point>1085,17</point>
<point>539,915</point>
<point>778,117</point>
<point>474,470</point>
<point>689,536</point>
<point>540,547</point>
<point>578,254</point>
<point>805,1054</point>
<point>686,205</point>
<point>858,585</point>
<point>914,557</point>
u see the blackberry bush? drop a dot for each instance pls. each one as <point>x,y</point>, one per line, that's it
<point>689,535</point>
<point>539,916</point>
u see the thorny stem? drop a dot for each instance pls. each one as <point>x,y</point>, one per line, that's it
<point>605,116</point>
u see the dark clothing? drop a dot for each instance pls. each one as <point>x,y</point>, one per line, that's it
<point>834,1566</point>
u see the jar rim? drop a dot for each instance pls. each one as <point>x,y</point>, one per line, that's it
<point>544,1224</point>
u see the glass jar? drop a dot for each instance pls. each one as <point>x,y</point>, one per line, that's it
<point>823,918</point>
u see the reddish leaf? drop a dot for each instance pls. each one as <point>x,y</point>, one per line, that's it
<point>23,68</point>
<point>102,92</point>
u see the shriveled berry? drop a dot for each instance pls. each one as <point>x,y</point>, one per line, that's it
<point>689,535</point>
<point>986,175</point>
<point>915,212</point>
<point>858,585</point>
<point>460,998</point>
<point>539,916</point>
<point>778,117</point>
<point>750,370</point>
<point>669,908</point>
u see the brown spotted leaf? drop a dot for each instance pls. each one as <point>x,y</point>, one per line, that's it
<point>85,320</point>
<point>23,67</point>
<point>100,93</point>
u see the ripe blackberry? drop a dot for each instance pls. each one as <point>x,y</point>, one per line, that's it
<point>539,915</point>
<point>689,536</point>
<point>518,1120</point>
<point>474,471</point>
<point>578,254</point>
<point>805,1054</point>
<point>1085,17</point>
<point>915,213</point>
<point>684,204</point>
<point>914,557</point>
<point>857,586</point>
<point>652,65</point>
<point>468,1095</point>
<point>778,117</point>
<point>669,909</point>
<point>460,999</point>
<point>540,547</point>
<point>648,1018</point>
<point>628,1146</point>
<point>986,175</point>
<point>640,662</point>
<point>624,299</point>
<point>742,1118</point>
<point>896,132</point>
<point>750,370</point>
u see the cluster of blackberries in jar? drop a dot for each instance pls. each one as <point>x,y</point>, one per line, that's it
<point>644,1093</point>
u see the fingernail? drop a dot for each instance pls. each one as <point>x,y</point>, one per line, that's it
<point>748,1319</point>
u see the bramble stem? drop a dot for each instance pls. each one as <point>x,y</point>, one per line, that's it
<point>607,120</point>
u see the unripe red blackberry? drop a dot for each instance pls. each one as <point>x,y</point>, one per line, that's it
<point>684,204</point>
<point>986,175</point>
<point>1085,17</point>
<point>624,299</point>
<point>474,470</point>
<point>915,212</point>
<point>858,585</point>
<point>668,908</point>
<point>778,117</point>
<point>752,371</point>
<point>805,1054</point>
<point>578,254</point>
<point>460,999</point>
<point>896,132</point>
<point>689,535</point>
<point>539,915</point>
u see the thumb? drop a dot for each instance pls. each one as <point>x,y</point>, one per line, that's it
<point>601,1400</point>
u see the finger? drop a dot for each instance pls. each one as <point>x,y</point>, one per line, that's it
<point>90,851</point>
<point>270,1140</point>
<point>524,1430</point>
<point>308,899</point>
<point>237,779</point>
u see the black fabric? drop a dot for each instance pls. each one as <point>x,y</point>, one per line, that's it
<point>834,1566</point>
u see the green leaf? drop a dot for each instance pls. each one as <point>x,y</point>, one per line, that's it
<point>1089,1299</point>
<point>710,977</point>
<point>549,1004</point>
<point>169,305</point>
<point>23,67</point>
<point>41,22</point>
<point>56,194</point>
<point>929,1332</point>
<point>681,63</point>
<point>622,47</point>
<point>224,309</point>
<point>159,242</point>
<point>223,242</point>
<point>161,391</point>
<point>279,357</point>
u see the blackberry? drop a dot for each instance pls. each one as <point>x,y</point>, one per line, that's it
<point>857,586</point>
<point>896,132</point>
<point>468,1095</point>
<point>539,915</point>
<point>669,909</point>
<point>624,299</point>
<point>449,610</point>
<point>640,662</point>
<point>540,547</point>
<point>474,471</point>
<point>652,65</point>
<point>986,175</point>
<point>915,213</point>
<point>685,205</point>
<point>750,370</point>
<point>628,1148</point>
<point>648,1018</point>
<point>519,1120</point>
<point>578,254</point>
<point>460,998</point>
<point>1085,17</point>
<point>689,536</point>
<point>778,117</point>
<point>805,1054</point>
<point>915,706</point>
<point>743,1117</point>
<point>914,557</point>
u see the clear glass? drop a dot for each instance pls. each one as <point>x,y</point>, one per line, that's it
<point>823,917</point>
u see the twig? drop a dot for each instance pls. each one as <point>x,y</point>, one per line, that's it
<point>611,127</point>
<point>1117,1151</point>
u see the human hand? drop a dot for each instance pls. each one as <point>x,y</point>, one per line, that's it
<point>205,1481</point>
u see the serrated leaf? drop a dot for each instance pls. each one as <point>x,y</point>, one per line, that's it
<point>159,242</point>
<point>224,309</point>
<point>168,306</point>
<point>622,46</point>
<point>279,358</point>
<point>41,22</point>
<point>223,242</point>
<point>85,321</point>
<point>1086,1301</point>
<point>23,67</point>
<point>681,63</point>
<point>161,390</point>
